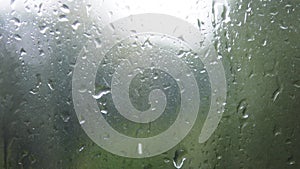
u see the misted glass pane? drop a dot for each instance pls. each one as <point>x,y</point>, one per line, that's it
<point>174,84</point>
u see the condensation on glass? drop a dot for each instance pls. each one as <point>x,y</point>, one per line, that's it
<point>149,79</point>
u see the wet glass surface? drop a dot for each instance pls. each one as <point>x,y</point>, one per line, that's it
<point>46,46</point>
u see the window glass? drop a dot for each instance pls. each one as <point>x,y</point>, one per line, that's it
<point>145,84</point>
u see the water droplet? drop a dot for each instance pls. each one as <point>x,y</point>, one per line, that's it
<point>181,37</point>
<point>276,131</point>
<point>296,83</point>
<point>88,35</point>
<point>110,13</point>
<point>97,42</point>
<point>50,84</point>
<point>179,158</point>
<point>75,25</point>
<point>111,26</point>
<point>147,43</point>
<point>251,39</point>
<point>23,52</point>
<point>84,56</point>
<point>140,148</point>
<point>276,94</point>
<point>291,161</point>
<point>65,118</point>
<point>27,8</point>
<point>166,160</point>
<point>199,24</point>
<point>43,29</point>
<point>264,42</point>
<point>104,111</point>
<point>34,91</point>
<point>64,8</point>
<point>18,37</point>
<point>63,18</point>
<point>242,108</point>
<point>179,164</point>
<point>82,90</point>
<point>39,13</point>
<point>288,141</point>
<point>106,136</point>
<point>88,9</point>
<point>274,13</point>
<point>221,13</point>
<point>16,21</point>
<point>41,52</point>
<point>81,148</point>
<point>203,71</point>
<point>12,3</point>
<point>245,116</point>
<point>283,27</point>
<point>100,94</point>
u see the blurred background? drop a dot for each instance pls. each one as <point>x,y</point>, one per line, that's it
<point>257,41</point>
